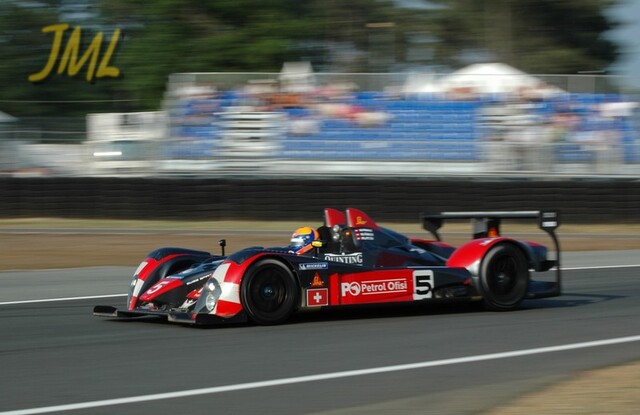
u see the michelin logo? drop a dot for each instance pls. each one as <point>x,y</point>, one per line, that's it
<point>345,259</point>
<point>314,265</point>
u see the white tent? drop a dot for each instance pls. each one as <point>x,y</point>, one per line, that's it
<point>494,78</point>
<point>421,83</point>
<point>4,117</point>
<point>297,77</point>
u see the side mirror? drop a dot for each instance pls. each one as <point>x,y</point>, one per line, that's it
<point>317,245</point>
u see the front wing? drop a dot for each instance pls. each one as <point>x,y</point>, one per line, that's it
<point>172,316</point>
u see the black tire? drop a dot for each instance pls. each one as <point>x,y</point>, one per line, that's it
<point>504,277</point>
<point>269,292</point>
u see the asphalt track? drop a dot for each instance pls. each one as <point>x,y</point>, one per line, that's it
<point>55,357</point>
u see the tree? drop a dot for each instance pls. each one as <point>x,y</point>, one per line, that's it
<point>25,49</point>
<point>170,36</point>
<point>537,36</point>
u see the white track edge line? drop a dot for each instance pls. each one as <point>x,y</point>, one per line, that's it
<point>50,300</point>
<point>46,300</point>
<point>600,267</point>
<point>319,377</point>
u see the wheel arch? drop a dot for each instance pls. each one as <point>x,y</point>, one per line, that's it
<point>524,248</point>
<point>287,263</point>
<point>472,254</point>
<point>157,265</point>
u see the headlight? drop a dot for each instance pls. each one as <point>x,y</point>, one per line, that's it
<point>210,301</point>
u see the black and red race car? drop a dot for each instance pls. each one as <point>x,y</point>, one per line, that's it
<point>356,261</point>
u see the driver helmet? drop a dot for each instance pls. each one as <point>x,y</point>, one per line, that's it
<point>302,238</point>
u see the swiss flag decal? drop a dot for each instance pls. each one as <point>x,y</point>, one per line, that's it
<point>317,297</point>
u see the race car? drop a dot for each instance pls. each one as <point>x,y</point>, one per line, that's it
<point>353,261</point>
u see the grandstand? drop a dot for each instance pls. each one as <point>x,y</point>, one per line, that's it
<point>411,128</point>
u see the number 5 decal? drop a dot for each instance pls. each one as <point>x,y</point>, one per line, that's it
<point>158,286</point>
<point>423,282</point>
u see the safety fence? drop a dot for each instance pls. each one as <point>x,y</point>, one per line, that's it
<point>595,156</point>
<point>579,201</point>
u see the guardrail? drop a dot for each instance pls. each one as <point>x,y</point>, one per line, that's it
<point>293,156</point>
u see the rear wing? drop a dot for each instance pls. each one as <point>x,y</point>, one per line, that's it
<point>487,224</point>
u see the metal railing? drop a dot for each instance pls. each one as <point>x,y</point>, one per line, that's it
<point>349,158</point>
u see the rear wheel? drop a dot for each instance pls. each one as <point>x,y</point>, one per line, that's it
<point>269,292</point>
<point>504,277</point>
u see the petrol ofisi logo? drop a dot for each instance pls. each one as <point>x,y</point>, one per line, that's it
<point>374,287</point>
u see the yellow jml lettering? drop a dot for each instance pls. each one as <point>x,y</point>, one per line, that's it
<point>69,61</point>
<point>104,69</point>
<point>71,55</point>
<point>58,30</point>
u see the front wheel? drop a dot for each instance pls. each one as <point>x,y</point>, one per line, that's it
<point>504,277</point>
<point>269,292</point>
